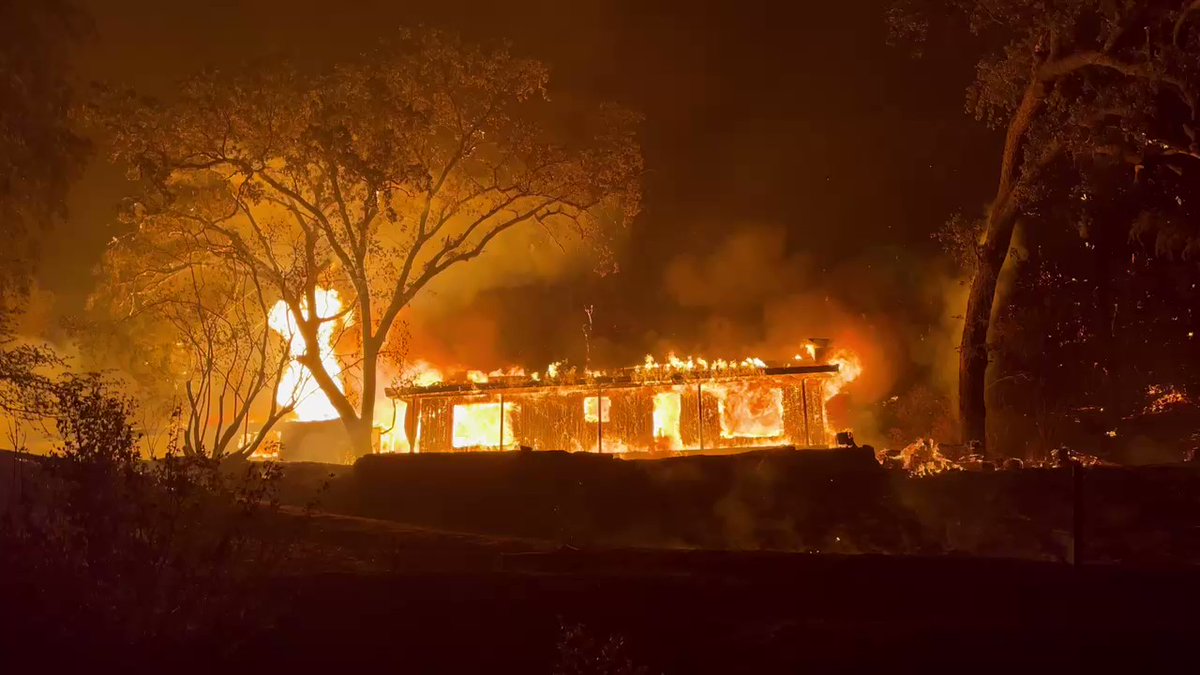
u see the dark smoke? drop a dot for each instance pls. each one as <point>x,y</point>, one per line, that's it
<point>752,292</point>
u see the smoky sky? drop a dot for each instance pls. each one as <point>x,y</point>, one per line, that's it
<point>791,124</point>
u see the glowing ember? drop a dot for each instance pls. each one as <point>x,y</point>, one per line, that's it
<point>482,425</point>
<point>1163,397</point>
<point>924,458</point>
<point>667,406</point>
<point>297,385</point>
<point>748,410</point>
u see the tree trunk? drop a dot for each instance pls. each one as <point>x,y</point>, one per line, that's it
<point>370,377</point>
<point>361,432</point>
<point>973,350</point>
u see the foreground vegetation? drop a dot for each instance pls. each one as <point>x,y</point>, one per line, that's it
<point>185,563</point>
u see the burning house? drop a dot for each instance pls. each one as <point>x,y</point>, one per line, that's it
<point>654,408</point>
<point>677,405</point>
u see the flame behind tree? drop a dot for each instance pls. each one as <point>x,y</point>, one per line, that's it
<point>372,179</point>
<point>224,362</point>
<point>297,388</point>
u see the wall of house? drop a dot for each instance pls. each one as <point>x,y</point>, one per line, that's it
<point>712,415</point>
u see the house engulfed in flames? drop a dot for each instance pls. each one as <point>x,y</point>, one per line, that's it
<point>690,405</point>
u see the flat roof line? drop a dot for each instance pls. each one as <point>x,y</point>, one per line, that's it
<point>609,381</point>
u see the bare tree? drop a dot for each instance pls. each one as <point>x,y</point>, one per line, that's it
<point>236,361</point>
<point>213,318</point>
<point>373,179</point>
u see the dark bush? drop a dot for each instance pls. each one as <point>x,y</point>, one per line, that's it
<point>104,551</point>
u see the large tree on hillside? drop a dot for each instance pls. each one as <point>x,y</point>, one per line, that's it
<point>372,178</point>
<point>1078,87</point>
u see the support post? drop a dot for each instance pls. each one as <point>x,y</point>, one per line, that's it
<point>808,441</point>
<point>501,421</point>
<point>599,421</point>
<point>414,446</point>
<point>700,413</point>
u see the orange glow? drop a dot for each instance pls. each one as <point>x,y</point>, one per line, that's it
<point>810,349</point>
<point>667,406</point>
<point>751,402</point>
<point>392,436</point>
<point>481,425</point>
<point>691,364</point>
<point>480,377</point>
<point>849,369</point>
<point>749,410</point>
<point>393,439</point>
<point>297,385</point>
<point>421,374</point>
<point>1163,398</point>
<point>589,409</point>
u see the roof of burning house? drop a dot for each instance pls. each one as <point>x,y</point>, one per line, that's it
<point>625,377</point>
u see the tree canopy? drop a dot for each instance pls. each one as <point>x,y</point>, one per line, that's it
<point>1090,96</point>
<point>40,154</point>
<point>371,178</point>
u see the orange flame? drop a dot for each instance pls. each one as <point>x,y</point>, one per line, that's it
<point>745,409</point>
<point>753,410</point>
<point>849,369</point>
<point>482,425</point>
<point>667,407</point>
<point>297,386</point>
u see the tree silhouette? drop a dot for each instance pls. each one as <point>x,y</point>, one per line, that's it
<point>39,153</point>
<point>1078,88</point>
<point>372,179</point>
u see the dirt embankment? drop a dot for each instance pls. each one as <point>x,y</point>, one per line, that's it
<point>831,502</point>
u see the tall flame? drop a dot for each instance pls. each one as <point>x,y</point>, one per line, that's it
<point>482,425</point>
<point>849,368</point>
<point>667,408</point>
<point>297,385</point>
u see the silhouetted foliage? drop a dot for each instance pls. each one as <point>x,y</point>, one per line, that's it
<point>1095,347</point>
<point>371,178</point>
<point>105,551</point>
<point>205,346</point>
<point>1081,90</point>
<point>39,153</point>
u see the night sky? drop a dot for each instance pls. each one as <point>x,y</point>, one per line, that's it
<point>800,127</point>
